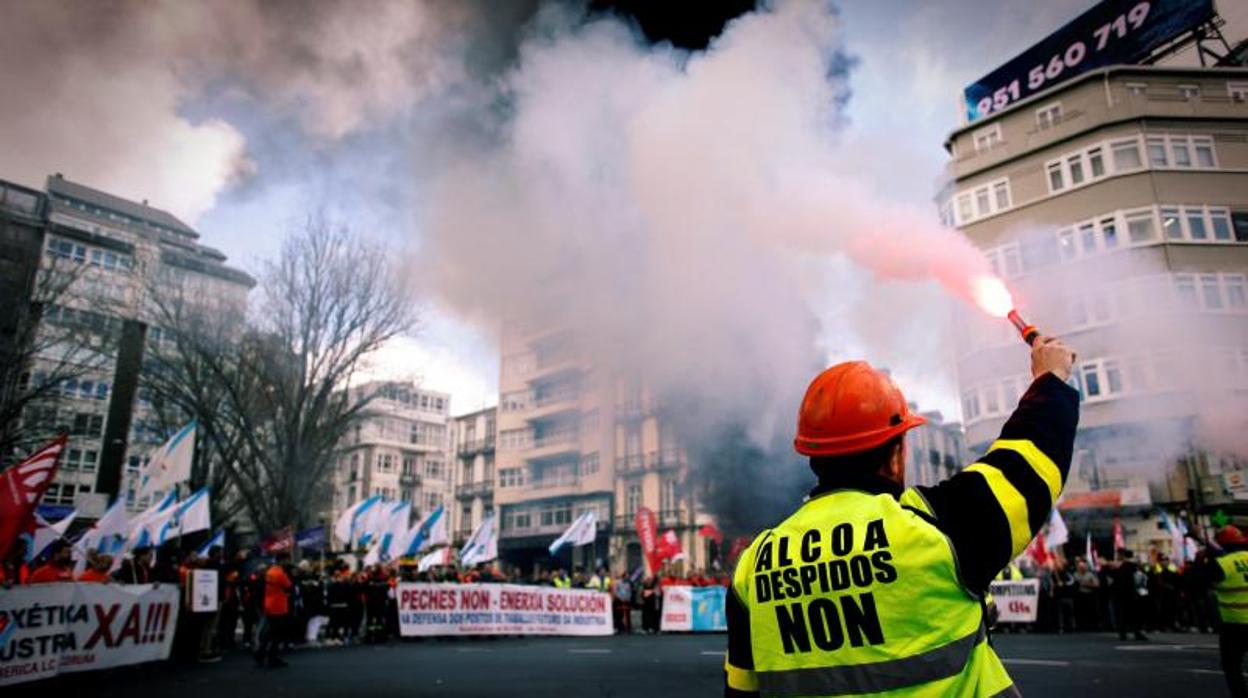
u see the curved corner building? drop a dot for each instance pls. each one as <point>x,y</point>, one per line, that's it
<point>1116,207</point>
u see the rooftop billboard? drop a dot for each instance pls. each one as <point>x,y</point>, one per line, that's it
<point>1113,32</point>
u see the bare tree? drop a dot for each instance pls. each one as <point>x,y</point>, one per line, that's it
<point>272,399</point>
<point>65,337</point>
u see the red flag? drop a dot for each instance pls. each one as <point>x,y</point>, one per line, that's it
<point>669,546</point>
<point>1038,552</point>
<point>712,531</point>
<point>22,487</point>
<point>739,544</point>
<point>648,534</point>
<point>281,540</point>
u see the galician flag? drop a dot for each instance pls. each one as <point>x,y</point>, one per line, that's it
<point>482,546</point>
<point>431,531</point>
<point>46,533</point>
<point>217,541</point>
<point>171,463</point>
<point>189,516</point>
<point>345,526</point>
<point>581,532</point>
<point>394,530</point>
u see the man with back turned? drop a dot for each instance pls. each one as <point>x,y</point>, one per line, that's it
<point>871,587</point>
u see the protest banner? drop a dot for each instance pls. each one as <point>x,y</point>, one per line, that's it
<point>1018,601</point>
<point>501,609</point>
<point>693,609</point>
<point>48,629</point>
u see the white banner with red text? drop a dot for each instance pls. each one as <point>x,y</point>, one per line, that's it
<point>693,609</point>
<point>501,609</point>
<point>1017,602</point>
<point>48,629</point>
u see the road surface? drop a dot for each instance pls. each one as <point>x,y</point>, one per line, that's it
<point>651,667</point>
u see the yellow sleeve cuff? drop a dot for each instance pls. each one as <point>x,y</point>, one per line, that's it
<point>741,679</point>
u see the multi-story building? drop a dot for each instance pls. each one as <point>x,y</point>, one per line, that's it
<point>399,449</point>
<point>934,451</point>
<point>1116,207</point>
<point>475,435</point>
<point>572,439</point>
<point>112,255</point>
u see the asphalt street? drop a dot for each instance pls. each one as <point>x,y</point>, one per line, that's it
<point>670,665</point>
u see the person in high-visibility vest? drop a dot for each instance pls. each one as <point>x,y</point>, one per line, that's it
<point>1228,574</point>
<point>870,587</point>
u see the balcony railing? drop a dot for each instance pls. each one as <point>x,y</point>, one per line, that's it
<point>664,519</point>
<point>409,478</point>
<point>556,397</point>
<point>563,437</point>
<point>480,488</point>
<point>634,462</point>
<point>472,448</point>
<point>654,460</point>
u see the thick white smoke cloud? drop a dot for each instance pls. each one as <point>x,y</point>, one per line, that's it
<point>106,91</point>
<point>670,200</point>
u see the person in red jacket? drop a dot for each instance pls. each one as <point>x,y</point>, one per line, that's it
<point>97,569</point>
<point>277,586</point>
<point>58,568</point>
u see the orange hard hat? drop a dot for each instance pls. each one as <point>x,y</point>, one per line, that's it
<point>1230,535</point>
<point>850,408</point>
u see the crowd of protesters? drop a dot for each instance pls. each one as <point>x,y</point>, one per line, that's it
<point>266,603</point>
<point>1130,595</point>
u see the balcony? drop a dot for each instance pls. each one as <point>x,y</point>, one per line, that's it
<point>666,459</point>
<point>468,449</point>
<point>664,519</point>
<point>538,529</point>
<point>634,463</point>
<point>408,478</point>
<point>481,488</point>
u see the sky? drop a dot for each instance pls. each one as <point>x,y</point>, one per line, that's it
<point>355,114</point>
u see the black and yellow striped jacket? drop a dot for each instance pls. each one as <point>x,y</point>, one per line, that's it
<point>988,512</point>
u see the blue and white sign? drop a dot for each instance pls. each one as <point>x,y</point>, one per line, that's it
<point>1111,33</point>
<point>694,609</point>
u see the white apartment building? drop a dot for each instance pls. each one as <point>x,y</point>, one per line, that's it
<point>399,450</point>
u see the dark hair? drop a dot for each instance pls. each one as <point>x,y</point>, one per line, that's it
<point>862,463</point>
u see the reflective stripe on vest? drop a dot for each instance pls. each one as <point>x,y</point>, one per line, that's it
<point>1232,590</point>
<point>934,664</point>
<point>856,593</point>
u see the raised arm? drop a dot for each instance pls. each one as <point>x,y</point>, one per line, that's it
<point>993,508</point>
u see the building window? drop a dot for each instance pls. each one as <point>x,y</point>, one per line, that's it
<point>589,463</point>
<point>1126,155</point>
<point>1189,92</point>
<point>1056,180</point>
<point>1137,88</point>
<point>667,494</point>
<point>1170,223</point>
<point>1049,115</point>
<point>1157,151</point>
<point>983,205</point>
<point>1140,227</point>
<point>632,499</point>
<point>987,138</point>
<point>1204,152</point>
<point>964,208</point>
<point>1237,91</point>
<point>510,477</point>
<point>1001,194</point>
<point>1096,162</point>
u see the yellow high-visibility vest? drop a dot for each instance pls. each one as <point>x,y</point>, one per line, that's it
<point>1232,589</point>
<point>855,594</point>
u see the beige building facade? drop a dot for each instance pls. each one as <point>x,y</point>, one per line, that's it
<point>475,437</point>
<point>1115,206</point>
<point>399,450</point>
<point>571,439</point>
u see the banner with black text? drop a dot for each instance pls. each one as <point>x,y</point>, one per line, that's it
<point>47,629</point>
<point>501,609</point>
